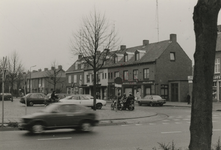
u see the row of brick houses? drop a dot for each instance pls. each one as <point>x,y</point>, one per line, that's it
<point>152,68</point>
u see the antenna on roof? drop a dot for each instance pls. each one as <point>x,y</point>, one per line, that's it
<point>157,17</point>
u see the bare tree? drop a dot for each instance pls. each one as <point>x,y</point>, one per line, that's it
<point>14,70</point>
<point>93,41</point>
<point>55,76</point>
<point>205,27</point>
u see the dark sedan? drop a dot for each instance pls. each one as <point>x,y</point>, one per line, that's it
<point>7,96</point>
<point>34,98</point>
<point>58,116</point>
<point>152,100</point>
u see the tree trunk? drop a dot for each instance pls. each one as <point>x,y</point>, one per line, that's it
<point>205,27</point>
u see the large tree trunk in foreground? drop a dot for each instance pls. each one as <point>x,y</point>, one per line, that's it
<point>205,27</point>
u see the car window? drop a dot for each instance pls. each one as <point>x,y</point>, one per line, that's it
<point>66,108</point>
<point>32,96</point>
<point>75,97</point>
<point>84,97</point>
<point>147,97</point>
<point>157,97</point>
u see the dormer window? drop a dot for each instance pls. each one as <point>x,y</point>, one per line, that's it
<point>125,58</point>
<point>76,66</point>
<point>137,56</point>
<point>172,56</point>
<point>115,59</point>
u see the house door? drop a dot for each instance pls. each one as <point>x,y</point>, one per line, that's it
<point>164,91</point>
<point>174,92</point>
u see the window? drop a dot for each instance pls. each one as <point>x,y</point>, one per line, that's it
<point>135,74</point>
<point>217,65</point>
<point>108,75</point>
<point>137,56</point>
<point>116,74</point>
<point>105,76</point>
<point>80,81</point>
<point>172,56</point>
<point>98,77</point>
<point>75,78</point>
<point>146,73</point>
<point>69,79</point>
<point>125,58</point>
<point>88,78</point>
<point>76,66</point>
<point>111,75</point>
<point>102,75</point>
<point>115,59</point>
<point>82,66</point>
<point>125,75</point>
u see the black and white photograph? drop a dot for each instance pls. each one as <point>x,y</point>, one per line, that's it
<point>110,75</point>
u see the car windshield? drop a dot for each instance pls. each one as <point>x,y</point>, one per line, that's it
<point>50,108</point>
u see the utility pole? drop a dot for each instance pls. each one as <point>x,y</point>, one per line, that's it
<point>3,80</point>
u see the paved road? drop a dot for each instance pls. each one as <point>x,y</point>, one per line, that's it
<point>140,136</point>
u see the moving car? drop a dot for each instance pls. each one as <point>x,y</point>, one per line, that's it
<point>152,100</point>
<point>34,98</point>
<point>58,116</point>
<point>7,96</point>
<point>85,100</point>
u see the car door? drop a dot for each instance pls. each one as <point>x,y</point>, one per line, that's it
<point>74,115</point>
<point>146,99</point>
<point>86,100</point>
<point>57,118</point>
<point>75,99</point>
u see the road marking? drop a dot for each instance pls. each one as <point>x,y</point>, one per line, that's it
<point>177,122</point>
<point>61,138</point>
<point>171,132</point>
<point>138,124</point>
<point>165,123</point>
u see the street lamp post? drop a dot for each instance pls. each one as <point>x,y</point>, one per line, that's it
<point>30,79</point>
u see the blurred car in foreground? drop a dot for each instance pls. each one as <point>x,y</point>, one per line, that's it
<point>152,100</point>
<point>58,116</point>
<point>85,100</point>
<point>34,98</point>
<point>7,96</point>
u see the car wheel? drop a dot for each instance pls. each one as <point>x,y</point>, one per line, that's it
<point>11,99</point>
<point>99,106</point>
<point>30,104</point>
<point>37,128</point>
<point>151,104</point>
<point>139,103</point>
<point>161,104</point>
<point>86,127</point>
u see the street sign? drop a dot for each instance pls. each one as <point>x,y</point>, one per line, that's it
<point>118,85</point>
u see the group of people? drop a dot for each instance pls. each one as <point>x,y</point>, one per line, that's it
<point>124,99</point>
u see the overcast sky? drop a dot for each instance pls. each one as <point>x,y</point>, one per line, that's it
<point>40,30</point>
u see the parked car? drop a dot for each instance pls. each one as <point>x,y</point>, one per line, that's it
<point>7,96</point>
<point>34,98</point>
<point>58,116</point>
<point>85,100</point>
<point>152,100</point>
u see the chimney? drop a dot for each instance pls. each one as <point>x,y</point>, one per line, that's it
<point>173,37</point>
<point>145,42</point>
<point>46,69</point>
<point>219,28</point>
<point>60,67</point>
<point>39,70</point>
<point>80,56</point>
<point>123,47</point>
<point>52,68</point>
<point>98,53</point>
<point>106,50</point>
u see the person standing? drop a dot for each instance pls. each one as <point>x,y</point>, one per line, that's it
<point>188,99</point>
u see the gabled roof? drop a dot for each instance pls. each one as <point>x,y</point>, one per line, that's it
<point>153,52</point>
<point>43,74</point>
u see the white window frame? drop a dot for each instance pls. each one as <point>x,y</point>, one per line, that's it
<point>126,75</point>
<point>172,56</point>
<point>69,78</point>
<point>75,78</point>
<point>217,65</point>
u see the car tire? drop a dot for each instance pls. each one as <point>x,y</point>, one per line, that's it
<point>37,128</point>
<point>161,104</point>
<point>98,106</point>
<point>151,104</point>
<point>86,126</point>
<point>30,103</point>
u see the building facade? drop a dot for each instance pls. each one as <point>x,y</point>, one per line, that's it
<point>47,80</point>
